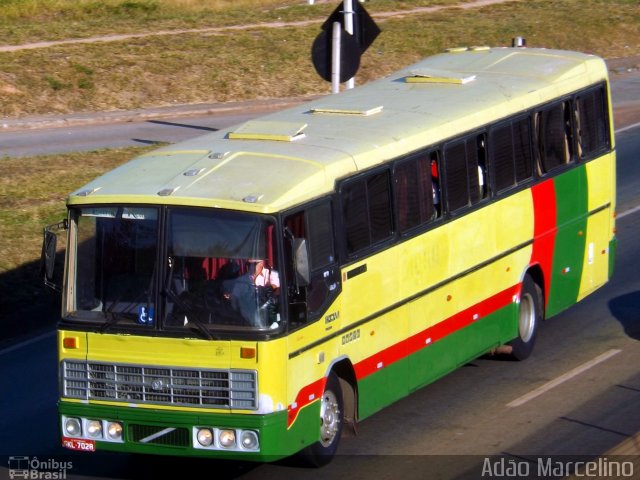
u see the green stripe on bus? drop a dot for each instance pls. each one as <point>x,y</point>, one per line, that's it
<point>569,251</point>
<point>427,365</point>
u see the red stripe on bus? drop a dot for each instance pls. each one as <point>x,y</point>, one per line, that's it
<point>544,229</point>
<point>404,348</point>
<point>431,335</point>
<point>308,394</point>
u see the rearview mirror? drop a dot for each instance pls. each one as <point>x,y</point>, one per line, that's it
<point>48,258</point>
<point>301,260</point>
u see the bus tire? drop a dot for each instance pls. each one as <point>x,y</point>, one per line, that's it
<point>529,318</point>
<point>331,424</point>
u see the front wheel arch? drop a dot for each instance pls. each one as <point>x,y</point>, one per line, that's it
<point>331,423</point>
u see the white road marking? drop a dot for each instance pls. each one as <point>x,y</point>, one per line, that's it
<point>563,378</point>
<point>628,212</point>
<point>628,127</point>
<point>20,345</point>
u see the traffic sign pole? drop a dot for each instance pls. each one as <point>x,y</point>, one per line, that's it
<point>335,57</point>
<point>348,26</point>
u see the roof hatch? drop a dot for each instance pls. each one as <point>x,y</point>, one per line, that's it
<point>424,75</point>
<point>365,112</point>
<point>269,130</point>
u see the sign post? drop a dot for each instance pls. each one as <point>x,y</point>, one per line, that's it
<point>335,58</point>
<point>336,55</point>
<point>348,26</point>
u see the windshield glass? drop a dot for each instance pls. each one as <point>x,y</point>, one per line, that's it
<point>116,257</point>
<point>221,271</point>
<point>217,270</point>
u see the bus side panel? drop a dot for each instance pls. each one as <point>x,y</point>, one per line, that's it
<point>434,352</point>
<point>433,360</point>
<point>600,177</point>
<point>382,388</point>
<point>570,239</point>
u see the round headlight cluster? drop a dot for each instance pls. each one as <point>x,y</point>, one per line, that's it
<point>73,427</point>
<point>205,437</point>
<point>114,431</point>
<point>94,429</point>
<point>249,440</point>
<point>226,439</point>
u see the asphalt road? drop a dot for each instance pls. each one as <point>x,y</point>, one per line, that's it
<point>577,396</point>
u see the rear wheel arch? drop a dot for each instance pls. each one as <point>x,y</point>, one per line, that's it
<point>529,316</point>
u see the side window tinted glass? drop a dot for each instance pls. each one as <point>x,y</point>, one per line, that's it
<point>591,122</point>
<point>380,217</point>
<point>522,149</point>
<point>511,153</point>
<point>354,204</point>
<point>466,172</point>
<point>414,191</point>
<point>457,185</point>
<point>366,208</point>
<point>554,136</point>
<point>320,236</point>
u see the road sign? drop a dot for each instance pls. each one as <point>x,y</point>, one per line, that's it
<point>349,55</point>
<point>365,29</point>
<point>353,31</point>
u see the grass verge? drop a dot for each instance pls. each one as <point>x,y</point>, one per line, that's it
<point>275,62</point>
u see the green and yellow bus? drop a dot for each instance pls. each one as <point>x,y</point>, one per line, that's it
<point>249,293</point>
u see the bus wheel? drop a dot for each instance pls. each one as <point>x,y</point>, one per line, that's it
<point>529,318</point>
<point>331,423</point>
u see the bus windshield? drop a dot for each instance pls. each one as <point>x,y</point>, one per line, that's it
<point>215,271</point>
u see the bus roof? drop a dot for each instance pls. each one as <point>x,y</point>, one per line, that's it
<point>285,158</point>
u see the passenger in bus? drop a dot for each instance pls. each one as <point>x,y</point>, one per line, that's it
<point>435,186</point>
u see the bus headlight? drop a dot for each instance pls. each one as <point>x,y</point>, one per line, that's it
<point>94,428</point>
<point>114,431</point>
<point>205,437</point>
<point>249,440</point>
<point>73,427</point>
<point>227,438</point>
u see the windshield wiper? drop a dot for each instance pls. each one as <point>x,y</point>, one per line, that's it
<point>190,314</point>
<point>183,305</point>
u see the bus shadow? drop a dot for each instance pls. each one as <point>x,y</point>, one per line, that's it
<point>27,307</point>
<point>626,309</point>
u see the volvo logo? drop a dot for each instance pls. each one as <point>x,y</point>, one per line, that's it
<point>157,385</point>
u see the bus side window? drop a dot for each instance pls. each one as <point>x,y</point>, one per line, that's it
<point>435,183</point>
<point>591,122</point>
<point>522,149</point>
<point>415,192</point>
<point>482,191</point>
<point>555,138</point>
<point>366,209</point>
<point>457,179</point>
<point>315,224</point>
<point>511,153</point>
<point>466,172</point>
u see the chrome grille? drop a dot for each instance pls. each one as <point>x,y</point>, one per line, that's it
<point>160,385</point>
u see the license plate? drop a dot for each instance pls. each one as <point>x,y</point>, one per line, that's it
<point>78,444</point>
